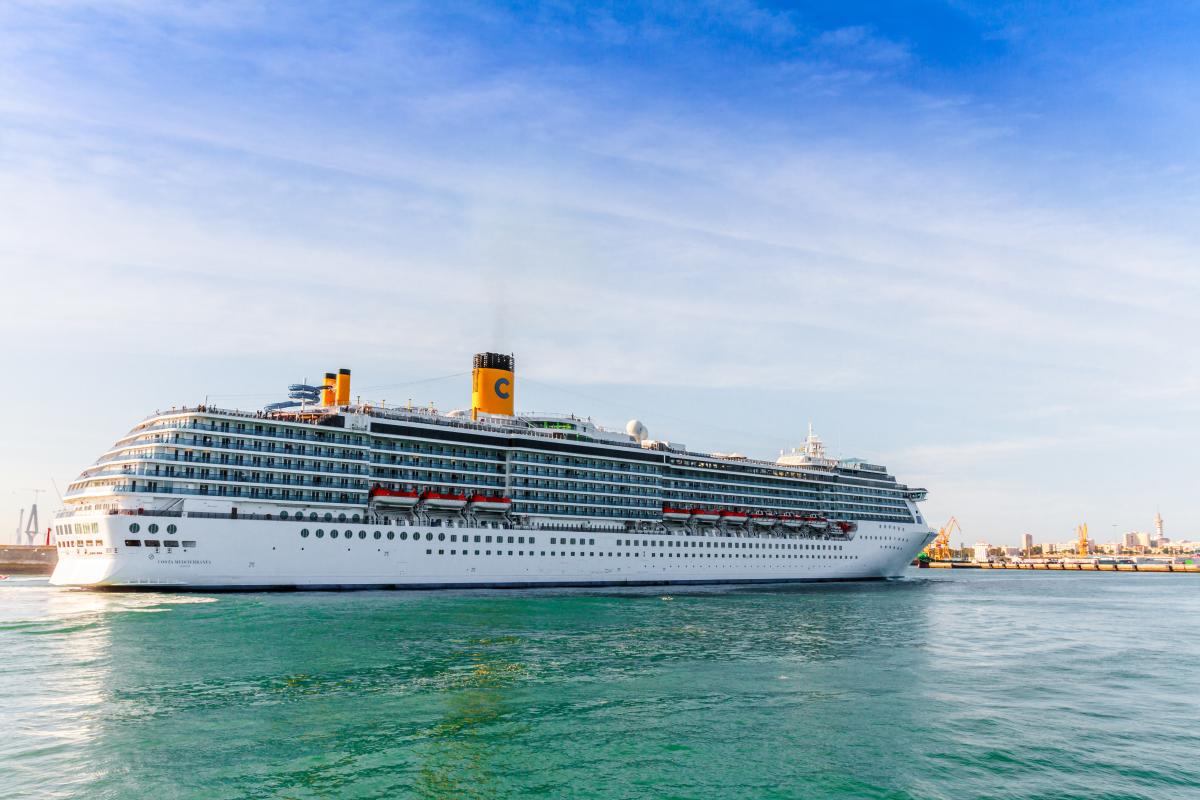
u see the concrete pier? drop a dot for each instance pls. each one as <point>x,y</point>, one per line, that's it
<point>1193,569</point>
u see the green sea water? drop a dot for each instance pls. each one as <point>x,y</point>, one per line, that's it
<point>941,685</point>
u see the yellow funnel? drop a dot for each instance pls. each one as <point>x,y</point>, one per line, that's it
<point>492,384</point>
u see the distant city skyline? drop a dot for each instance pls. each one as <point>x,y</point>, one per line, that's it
<point>958,238</point>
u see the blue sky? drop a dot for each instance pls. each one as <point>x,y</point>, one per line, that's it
<point>960,238</point>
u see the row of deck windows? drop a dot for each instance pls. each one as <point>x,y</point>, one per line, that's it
<point>629,554</point>
<point>319,533</point>
<point>578,461</point>
<point>218,425</point>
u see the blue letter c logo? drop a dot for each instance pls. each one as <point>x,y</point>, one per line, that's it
<point>503,395</point>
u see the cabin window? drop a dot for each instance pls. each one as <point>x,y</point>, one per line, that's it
<point>133,543</point>
<point>304,532</point>
<point>134,527</point>
<point>320,533</point>
<point>391,535</point>
<point>172,528</point>
<point>378,534</point>
<point>151,543</point>
<point>152,528</point>
<point>362,534</point>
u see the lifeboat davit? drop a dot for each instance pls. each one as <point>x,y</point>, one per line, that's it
<point>816,523</point>
<point>487,502</point>
<point>706,514</point>
<point>393,497</point>
<point>762,519</point>
<point>791,521</point>
<point>734,517</point>
<point>444,500</point>
<point>676,513</point>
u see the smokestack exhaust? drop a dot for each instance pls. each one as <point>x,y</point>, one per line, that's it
<point>492,384</point>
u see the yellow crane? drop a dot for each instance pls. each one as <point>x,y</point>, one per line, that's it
<point>1081,542</point>
<point>939,548</point>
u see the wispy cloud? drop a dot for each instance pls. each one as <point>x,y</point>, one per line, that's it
<point>829,212</point>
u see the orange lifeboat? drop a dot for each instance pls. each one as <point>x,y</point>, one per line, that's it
<point>706,514</point>
<point>763,519</point>
<point>392,497</point>
<point>734,517</point>
<point>487,502</point>
<point>449,501</point>
<point>676,514</point>
<point>792,521</point>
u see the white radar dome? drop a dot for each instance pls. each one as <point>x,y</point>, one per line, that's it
<point>637,430</point>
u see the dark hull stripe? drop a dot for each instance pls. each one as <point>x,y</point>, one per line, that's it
<point>355,587</point>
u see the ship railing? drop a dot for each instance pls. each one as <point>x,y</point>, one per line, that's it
<point>434,418</point>
<point>144,512</point>
<point>155,455</point>
<point>332,437</point>
<point>301,481</point>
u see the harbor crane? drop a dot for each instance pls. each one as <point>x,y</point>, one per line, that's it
<point>29,529</point>
<point>1081,541</point>
<point>939,548</point>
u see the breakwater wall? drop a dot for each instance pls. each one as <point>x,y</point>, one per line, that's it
<point>23,559</point>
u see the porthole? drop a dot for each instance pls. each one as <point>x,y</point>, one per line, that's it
<point>172,528</point>
<point>312,516</point>
<point>134,527</point>
<point>333,534</point>
<point>355,518</point>
<point>377,534</point>
<point>328,517</point>
<point>362,534</point>
<point>152,528</point>
<point>403,535</point>
<point>441,537</point>
<point>304,533</point>
<point>320,533</point>
<point>283,515</point>
<point>429,537</point>
<point>391,535</point>
<point>341,517</point>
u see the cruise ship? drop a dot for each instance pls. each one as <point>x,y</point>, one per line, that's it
<point>317,492</point>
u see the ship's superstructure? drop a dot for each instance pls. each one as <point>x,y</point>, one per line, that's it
<point>317,492</point>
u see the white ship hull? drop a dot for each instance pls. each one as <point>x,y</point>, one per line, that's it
<point>272,554</point>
